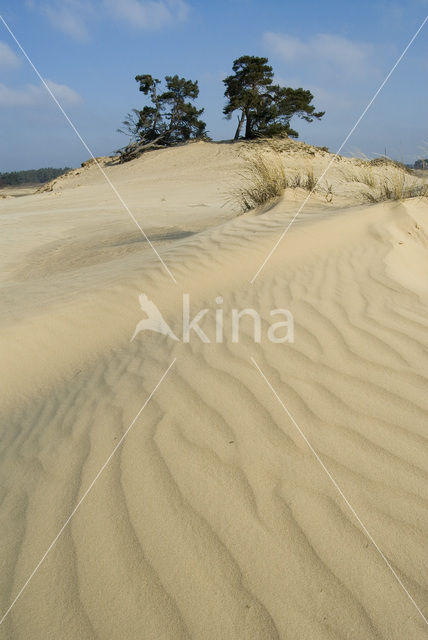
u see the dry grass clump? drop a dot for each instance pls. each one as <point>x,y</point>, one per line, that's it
<point>265,181</point>
<point>329,191</point>
<point>383,161</point>
<point>311,181</point>
<point>397,187</point>
<point>304,180</point>
<point>362,173</point>
<point>387,180</point>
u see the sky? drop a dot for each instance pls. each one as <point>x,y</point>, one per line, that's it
<point>89,52</point>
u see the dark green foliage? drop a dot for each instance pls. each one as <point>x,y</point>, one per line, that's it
<point>246,90</point>
<point>31,176</point>
<point>265,108</point>
<point>421,164</point>
<point>170,117</point>
<point>180,118</point>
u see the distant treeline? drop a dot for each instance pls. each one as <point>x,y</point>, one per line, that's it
<point>33,176</point>
<point>421,164</point>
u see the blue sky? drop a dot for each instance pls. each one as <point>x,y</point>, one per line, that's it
<point>90,51</point>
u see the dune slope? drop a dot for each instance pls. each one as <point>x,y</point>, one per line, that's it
<point>214,519</point>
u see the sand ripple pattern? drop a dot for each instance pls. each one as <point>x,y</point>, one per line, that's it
<point>214,521</point>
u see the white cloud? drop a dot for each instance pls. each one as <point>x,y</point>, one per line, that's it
<point>69,16</point>
<point>351,57</point>
<point>68,19</point>
<point>7,57</point>
<point>73,17</point>
<point>31,95</point>
<point>63,93</point>
<point>152,14</point>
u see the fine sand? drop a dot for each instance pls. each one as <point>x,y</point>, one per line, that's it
<point>214,519</point>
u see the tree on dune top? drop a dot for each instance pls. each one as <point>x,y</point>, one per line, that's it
<point>170,118</point>
<point>265,108</point>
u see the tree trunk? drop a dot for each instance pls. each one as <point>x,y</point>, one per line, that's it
<point>240,123</point>
<point>135,149</point>
<point>248,132</point>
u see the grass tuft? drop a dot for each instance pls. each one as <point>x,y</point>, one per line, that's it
<point>387,180</point>
<point>311,181</point>
<point>304,180</point>
<point>397,187</point>
<point>265,181</point>
<point>363,174</point>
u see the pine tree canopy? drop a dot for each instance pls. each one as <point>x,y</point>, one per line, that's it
<point>170,117</point>
<point>265,108</point>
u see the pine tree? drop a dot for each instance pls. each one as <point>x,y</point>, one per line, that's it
<point>181,118</point>
<point>265,108</point>
<point>170,117</point>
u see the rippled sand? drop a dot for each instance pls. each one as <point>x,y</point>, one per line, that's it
<point>214,519</point>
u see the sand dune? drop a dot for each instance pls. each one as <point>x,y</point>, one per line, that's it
<point>213,520</point>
